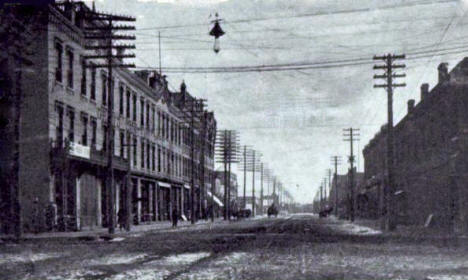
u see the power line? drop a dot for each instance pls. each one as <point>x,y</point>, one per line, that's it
<point>314,14</point>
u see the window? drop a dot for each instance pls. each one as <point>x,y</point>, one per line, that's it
<point>134,108</point>
<point>59,128</point>
<point>153,117</point>
<point>59,53</point>
<point>84,134</point>
<point>83,76</point>
<point>148,116</point>
<point>134,147</point>
<point>122,144</point>
<point>93,83</point>
<point>142,113</point>
<point>71,129</point>
<point>168,162</point>
<point>128,104</point>
<point>104,89</point>
<point>142,153</point>
<point>159,123</point>
<point>167,127</point>
<point>148,155</point>
<point>159,159</point>
<point>70,58</point>
<point>104,138</point>
<point>121,100</point>
<point>93,132</point>
<point>153,154</point>
<point>163,131</point>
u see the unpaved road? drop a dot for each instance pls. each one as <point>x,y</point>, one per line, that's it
<point>293,247</point>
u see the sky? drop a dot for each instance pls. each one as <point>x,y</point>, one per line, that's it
<point>295,118</point>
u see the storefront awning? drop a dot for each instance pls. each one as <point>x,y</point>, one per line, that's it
<point>164,185</point>
<point>187,186</point>
<point>215,199</point>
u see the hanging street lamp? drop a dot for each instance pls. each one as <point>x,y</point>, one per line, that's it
<point>216,32</point>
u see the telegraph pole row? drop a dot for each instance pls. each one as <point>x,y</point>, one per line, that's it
<point>388,76</point>
<point>251,162</point>
<point>227,148</point>
<point>100,37</point>
<point>350,134</point>
<point>193,112</point>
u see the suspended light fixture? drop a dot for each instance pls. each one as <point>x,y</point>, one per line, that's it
<point>216,32</point>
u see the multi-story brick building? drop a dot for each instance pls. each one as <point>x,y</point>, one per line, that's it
<point>430,155</point>
<point>63,128</point>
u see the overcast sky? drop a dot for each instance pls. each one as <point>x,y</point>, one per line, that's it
<point>295,118</point>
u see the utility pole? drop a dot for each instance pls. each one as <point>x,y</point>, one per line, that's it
<point>349,135</point>
<point>159,48</point>
<point>245,174</point>
<point>389,75</point>
<point>192,156</point>
<point>325,189</point>
<point>202,163</point>
<point>253,185</point>
<point>261,188</point>
<point>321,197</point>
<point>195,110</point>
<point>226,152</point>
<point>336,162</point>
<point>106,33</point>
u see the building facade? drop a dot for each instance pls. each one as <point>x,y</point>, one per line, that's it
<point>63,130</point>
<point>430,156</point>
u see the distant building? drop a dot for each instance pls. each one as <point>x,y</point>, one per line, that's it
<point>430,156</point>
<point>343,197</point>
<point>220,189</point>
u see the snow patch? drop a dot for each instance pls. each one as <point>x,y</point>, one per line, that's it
<point>118,239</point>
<point>118,259</point>
<point>27,257</point>
<point>75,274</point>
<point>360,230</point>
<point>184,259</point>
<point>235,257</point>
<point>141,274</point>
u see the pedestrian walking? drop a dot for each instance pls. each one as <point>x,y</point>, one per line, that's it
<point>175,217</point>
<point>121,215</point>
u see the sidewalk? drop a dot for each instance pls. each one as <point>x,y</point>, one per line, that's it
<point>103,232</point>
<point>414,232</point>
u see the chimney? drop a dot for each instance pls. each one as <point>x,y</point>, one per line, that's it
<point>424,90</point>
<point>443,72</point>
<point>152,80</point>
<point>410,105</point>
<point>183,87</point>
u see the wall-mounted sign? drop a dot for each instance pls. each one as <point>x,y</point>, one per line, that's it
<point>79,150</point>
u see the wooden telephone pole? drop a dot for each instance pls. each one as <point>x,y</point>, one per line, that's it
<point>227,153</point>
<point>336,161</point>
<point>102,29</point>
<point>388,76</point>
<point>350,134</point>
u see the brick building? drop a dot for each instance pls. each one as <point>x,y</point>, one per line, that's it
<point>430,155</point>
<point>62,151</point>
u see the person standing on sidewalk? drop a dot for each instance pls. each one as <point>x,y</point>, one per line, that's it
<point>121,216</point>
<point>175,217</point>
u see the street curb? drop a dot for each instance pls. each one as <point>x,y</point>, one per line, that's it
<point>94,236</point>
